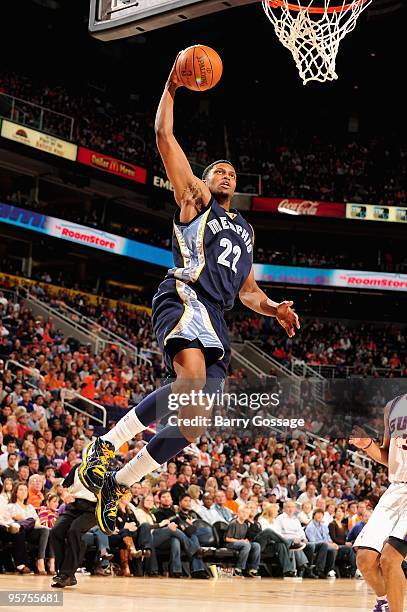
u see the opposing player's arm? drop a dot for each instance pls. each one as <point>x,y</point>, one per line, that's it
<point>254,298</point>
<point>376,452</point>
<point>189,190</point>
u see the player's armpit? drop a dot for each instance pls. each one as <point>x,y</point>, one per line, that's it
<point>189,190</point>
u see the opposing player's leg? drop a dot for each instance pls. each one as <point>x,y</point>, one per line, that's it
<point>368,562</point>
<point>370,542</point>
<point>190,368</point>
<point>393,554</point>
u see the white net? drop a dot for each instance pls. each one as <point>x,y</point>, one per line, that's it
<point>313,37</point>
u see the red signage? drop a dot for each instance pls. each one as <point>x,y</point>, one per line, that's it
<point>110,164</point>
<point>299,207</point>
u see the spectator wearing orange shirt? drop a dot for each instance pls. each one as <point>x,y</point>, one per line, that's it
<point>35,496</point>
<point>356,518</point>
<point>88,388</point>
<point>230,502</point>
<point>51,380</point>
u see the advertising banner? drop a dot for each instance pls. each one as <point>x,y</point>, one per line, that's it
<point>352,279</point>
<point>113,166</point>
<point>299,207</point>
<point>376,212</point>
<point>118,245</point>
<point>38,140</point>
<point>86,236</point>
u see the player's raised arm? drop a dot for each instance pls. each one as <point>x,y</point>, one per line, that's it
<point>376,452</point>
<point>190,192</point>
<point>254,298</point>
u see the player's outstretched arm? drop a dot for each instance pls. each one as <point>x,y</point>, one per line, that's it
<point>375,452</point>
<point>254,298</point>
<point>189,190</point>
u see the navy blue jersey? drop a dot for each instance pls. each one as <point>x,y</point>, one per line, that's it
<point>213,253</point>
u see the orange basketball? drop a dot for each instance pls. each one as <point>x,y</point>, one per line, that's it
<point>199,68</point>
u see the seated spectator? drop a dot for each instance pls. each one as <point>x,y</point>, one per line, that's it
<point>10,472</point>
<point>249,552</point>
<point>11,531</point>
<point>166,509</point>
<point>318,533</point>
<point>71,460</point>
<point>130,534</point>
<point>355,531</point>
<point>309,495</point>
<point>305,516</point>
<point>220,507</point>
<point>243,497</point>
<point>280,490</point>
<point>338,532</point>
<point>290,528</point>
<point>194,492</point>
<point>11,447</point>
<point>208,512</point>
<point>24,513</point>
<point>184,520</point>
<point>212,485</point>
<point>356,518</point>
<point>35,494</point>
<point>48,514</point>
<point>230,503</point>
<point>261,531</point>
<point>7,489</point>
<point>351,511</point>
<point>329,513</point>
<point>179,488</point>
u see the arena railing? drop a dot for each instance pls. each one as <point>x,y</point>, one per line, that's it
<point>91,406</point>
<point>33,372</point>
<point>104,335</point>
<point>36,116</point>
<point>36,376</point>
<point>338,371</point>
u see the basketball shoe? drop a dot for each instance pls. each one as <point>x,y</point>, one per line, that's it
<point>382,605</point>
<point>108,502</point>
<point>96,461</point>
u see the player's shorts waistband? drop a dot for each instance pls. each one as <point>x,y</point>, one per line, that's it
<point>200,292</point>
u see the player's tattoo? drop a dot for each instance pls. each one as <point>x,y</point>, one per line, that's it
<point>197,196</point>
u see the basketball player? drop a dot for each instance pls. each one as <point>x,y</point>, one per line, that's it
<point>213,251</point>
<point>382,543</point>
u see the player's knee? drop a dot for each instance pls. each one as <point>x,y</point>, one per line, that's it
<point>389,559</point>
<point>367,561</point>
<point>189,384</point>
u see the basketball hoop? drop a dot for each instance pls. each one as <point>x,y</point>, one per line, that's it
<point>313,33</point>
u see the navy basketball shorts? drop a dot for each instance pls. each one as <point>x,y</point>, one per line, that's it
<point>181,319</point>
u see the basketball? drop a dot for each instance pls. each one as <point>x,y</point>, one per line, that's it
<point>199,68</point>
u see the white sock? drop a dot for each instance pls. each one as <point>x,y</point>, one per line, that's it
<point>136,468</point>
<point>382,598</point>
<point>124,430</point>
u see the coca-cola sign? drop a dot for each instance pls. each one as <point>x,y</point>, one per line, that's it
<point>299,207</point>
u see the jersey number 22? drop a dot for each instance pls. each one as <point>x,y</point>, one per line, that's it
<point>228,249</point>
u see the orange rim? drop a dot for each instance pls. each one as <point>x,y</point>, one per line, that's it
<point>314,9</point>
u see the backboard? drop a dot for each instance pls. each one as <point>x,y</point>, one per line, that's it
<point>111,19</point>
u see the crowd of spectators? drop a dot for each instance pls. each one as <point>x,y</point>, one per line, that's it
<point>352,170</point>
<point>63,368</point>
<point>306,503</point>
<point>362,348</point>
<point>264,490</point>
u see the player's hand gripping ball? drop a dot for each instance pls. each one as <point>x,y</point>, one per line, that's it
<point>198,68</point>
